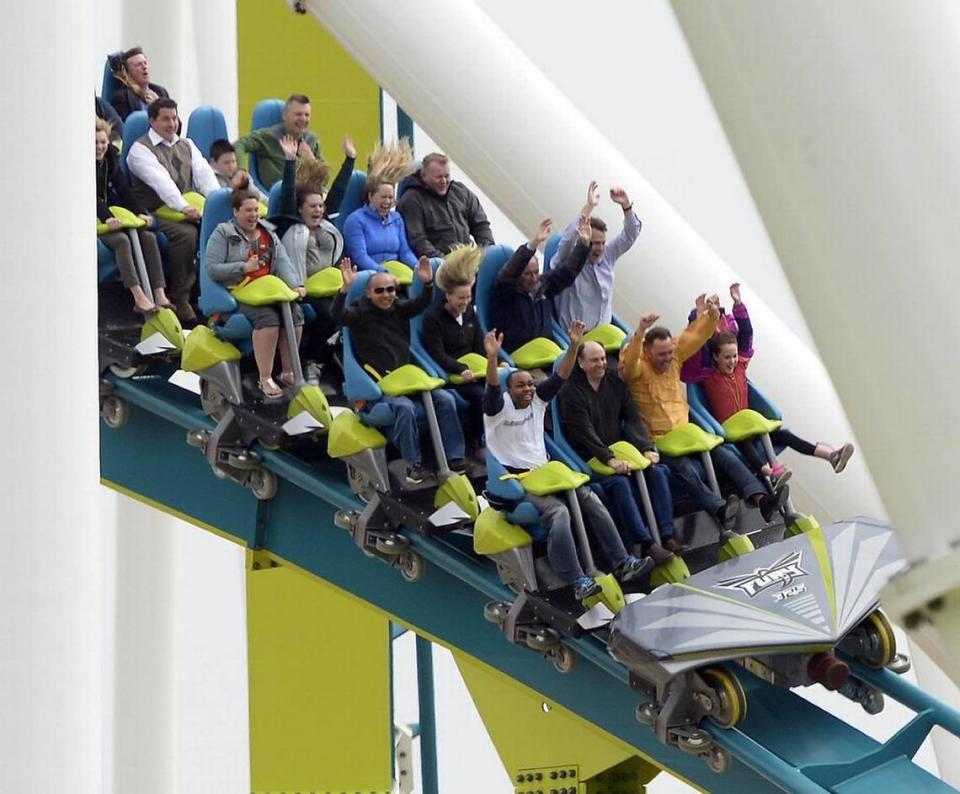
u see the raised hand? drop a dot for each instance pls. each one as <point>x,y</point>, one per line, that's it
<point>584,231</point>
<point>735,293</point>
<point>289,145</point>
<point>713,302</point>
<point>619,196</point>
<point>424,270</point>
<point>593,197</point>
<point>305,151</point>
<point>492,343</point>
<point>701,303</point>
<point>348,148</point>
<point>542,232</point>
<point>577,327</point>
<point>646,322</point>
<point>349,273</point>
<point>239,180</point>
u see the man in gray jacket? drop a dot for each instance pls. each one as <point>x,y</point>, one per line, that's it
<point>440,213</point>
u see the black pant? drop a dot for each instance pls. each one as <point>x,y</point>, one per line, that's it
<point>314,345</point>
<point>753,451</point>
<point>473,394</point>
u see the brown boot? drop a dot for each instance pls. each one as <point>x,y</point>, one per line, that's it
<point>672,544</point>
<point>185,313</point>
<point>659,554</point>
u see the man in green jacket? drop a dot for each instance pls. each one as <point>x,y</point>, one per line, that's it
<point>265,142</point>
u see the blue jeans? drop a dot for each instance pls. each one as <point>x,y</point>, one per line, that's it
<point>405,431</point>
<point>623,501</point>
<point>727,466</point>
<point>561,547</point>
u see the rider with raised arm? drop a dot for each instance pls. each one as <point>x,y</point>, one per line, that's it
<point>650,366</point>
<point>379,324</point>
<point>521,305</point>
<point>513,421</point>
<point>591,296</point>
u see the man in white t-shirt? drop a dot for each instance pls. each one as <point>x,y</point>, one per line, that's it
<point>513,424</point>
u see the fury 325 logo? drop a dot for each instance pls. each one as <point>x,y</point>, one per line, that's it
<point>782,572</point>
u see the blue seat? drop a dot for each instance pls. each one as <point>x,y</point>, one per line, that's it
<point>353,198</point>
<point>267,113</point>
<point>549,251</point>
<point>494,258</point>
<point>420,355</point>
<point>700,408</point>
<point>215,299</point>
<point>110,84</point>
<point>135,127</point>
<point>106,263</point>
<point>205,125</point>
<point>273,200</point>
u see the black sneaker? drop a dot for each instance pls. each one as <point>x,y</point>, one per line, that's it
<point>727,512</point>
<point>773,503</point>
<point>585,587</point>
<point>459,465</point>
<point>632,567</point>
<point>416,474</point>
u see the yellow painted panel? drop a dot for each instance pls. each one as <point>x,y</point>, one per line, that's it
<point>319,669</point>
<point>531,732</point>
<point>282,53</point>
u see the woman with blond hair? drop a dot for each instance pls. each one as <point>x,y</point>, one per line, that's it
<point>452,330</point>
<point>375,233</point>
<point>112,190</point>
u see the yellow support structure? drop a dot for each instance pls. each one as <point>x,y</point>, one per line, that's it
<point>282,53</point>
<point>546,748</point>
<point>319,671</point>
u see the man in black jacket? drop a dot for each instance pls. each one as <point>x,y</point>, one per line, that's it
<point>596,410</point>
<point>440,213</point>
<point>380,331</point>
<point>125,99</point>
<point>521,305</point>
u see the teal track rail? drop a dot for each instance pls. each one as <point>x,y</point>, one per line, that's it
<point>784,743</point>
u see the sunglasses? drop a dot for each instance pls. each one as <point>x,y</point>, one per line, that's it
<point>380,290</point>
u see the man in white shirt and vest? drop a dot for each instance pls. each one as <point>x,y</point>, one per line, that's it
<point>163,166</point>
<point>513,423</point>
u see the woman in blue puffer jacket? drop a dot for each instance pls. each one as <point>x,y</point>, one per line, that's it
<point>375,233</point>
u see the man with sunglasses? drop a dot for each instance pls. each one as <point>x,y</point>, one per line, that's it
<point>379,326</point>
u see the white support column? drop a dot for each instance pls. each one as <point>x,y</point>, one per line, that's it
<point>50,732</point>
<point>845,118</point>
<point>533,152</point>
<point>146,665</point>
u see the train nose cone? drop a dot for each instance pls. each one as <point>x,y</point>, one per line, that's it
<point>827,669</point>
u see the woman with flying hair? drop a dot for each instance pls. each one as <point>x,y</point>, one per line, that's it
<point>452,330</point>
<point>375,233</point>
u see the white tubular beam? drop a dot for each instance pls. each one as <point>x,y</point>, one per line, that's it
<point>845,118</point>
<point>50,733</point>
<point>146,665</point>
<point>522,141</point>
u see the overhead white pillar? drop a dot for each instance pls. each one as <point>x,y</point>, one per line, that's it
<point>845,118</point>
<point>50,731</point>
<point>533,152</point>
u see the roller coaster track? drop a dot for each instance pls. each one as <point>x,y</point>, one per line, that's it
<point>785,743</point>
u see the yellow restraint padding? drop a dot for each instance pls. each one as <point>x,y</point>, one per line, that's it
<point>687,439</point>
